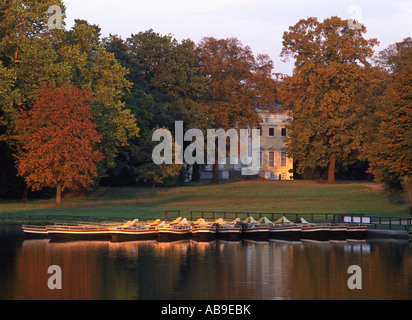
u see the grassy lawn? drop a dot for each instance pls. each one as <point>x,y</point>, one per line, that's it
<point>245,196</point>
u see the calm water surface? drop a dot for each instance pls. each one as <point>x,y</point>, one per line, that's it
<point>202,271</point>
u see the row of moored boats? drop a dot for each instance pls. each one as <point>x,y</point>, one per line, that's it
<point>200,230</point>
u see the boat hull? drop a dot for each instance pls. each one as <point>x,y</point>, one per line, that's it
<point>285,233</point>
<point>133,235</point>
<point>72,234</point>
<point>256,233</point>
<point>229,234</point>
<point>206,236</point>
<point>356,233</point>
<point>338,233</point>
<point>166,235</point>
<point>316,233</point>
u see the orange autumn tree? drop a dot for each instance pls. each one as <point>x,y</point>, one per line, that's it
<point>332,71</point>
<point>59,141</point>
<point>239,83</point>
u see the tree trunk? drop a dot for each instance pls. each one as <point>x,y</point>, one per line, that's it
<point>215,170</point>
<point>196,172</point>
<point>331,170</point>
<point>59,195</point>
<point>215,177</point>
<point>25,197</point>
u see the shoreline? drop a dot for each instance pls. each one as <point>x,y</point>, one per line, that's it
<point>370,233</point>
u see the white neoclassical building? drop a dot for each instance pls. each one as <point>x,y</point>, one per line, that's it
<point>274,162</point>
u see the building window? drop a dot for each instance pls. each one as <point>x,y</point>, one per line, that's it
<point>283,132</point>
<point>272,176</point>
<point>283,176</point>
<point>271,158</point>
<point>271,132</point>
<point>260,158</point>
<point>283,159</point>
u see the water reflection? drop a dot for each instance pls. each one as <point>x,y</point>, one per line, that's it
<point>216,271</point>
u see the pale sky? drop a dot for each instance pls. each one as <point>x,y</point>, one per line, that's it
<point>259,24</point>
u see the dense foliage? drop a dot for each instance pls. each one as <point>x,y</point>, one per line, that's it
<point>72,99</point>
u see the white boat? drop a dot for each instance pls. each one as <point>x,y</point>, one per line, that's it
<point>79,231</point>
<point>230,231</point>
<point>35,232</point>
<point>203,230</point>
<point>256,230</point>
<point>178,229</point>
<point>133,230</point>
<point>283,229</point>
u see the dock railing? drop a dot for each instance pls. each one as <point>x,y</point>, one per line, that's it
<point>212,215</point>
<point>172,215</point>
<point>374,222</point>
<point>383,222</point>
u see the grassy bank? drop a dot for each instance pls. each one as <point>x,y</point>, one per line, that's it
<point>252,196</point>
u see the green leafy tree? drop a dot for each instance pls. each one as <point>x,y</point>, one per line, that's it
<point>151,173</point>
<point>166,87</point>
<point>34,56</point>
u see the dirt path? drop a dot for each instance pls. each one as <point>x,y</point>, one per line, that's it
<point>375,186</point>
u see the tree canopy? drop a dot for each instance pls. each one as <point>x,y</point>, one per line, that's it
<point>347,103</point>
<point>332,65</point>
<point>59,141</point>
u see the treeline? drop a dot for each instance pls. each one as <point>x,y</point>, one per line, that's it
<point>78,109</point>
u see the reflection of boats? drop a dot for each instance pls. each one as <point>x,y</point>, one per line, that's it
<point>283,229</point>
<point>134,231</point>
<point>203,230</point>
<point>79,231</point>
<point>230,231</point>
<point>256,230</point>
<point>355,232</point>
<point>179,229</point>
<point>314,231</point>
<point>35,231</point>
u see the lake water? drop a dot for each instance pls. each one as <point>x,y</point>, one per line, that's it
<point>148,270</point>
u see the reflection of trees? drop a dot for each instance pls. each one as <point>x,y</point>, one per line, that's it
<point>80,270</point>
<point>210,271</point>
<point>323,272</point>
